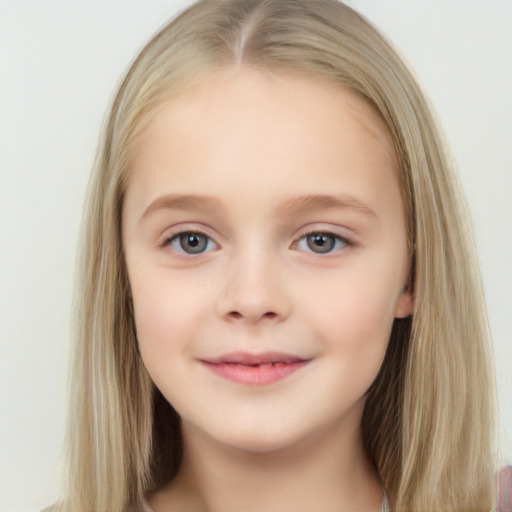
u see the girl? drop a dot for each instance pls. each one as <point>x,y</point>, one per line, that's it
<point>279,305</point>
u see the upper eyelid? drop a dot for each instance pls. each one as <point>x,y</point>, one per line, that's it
<point>187,231</point>
<point>172,232</point>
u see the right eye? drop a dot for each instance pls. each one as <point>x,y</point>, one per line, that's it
<point>191,242</point>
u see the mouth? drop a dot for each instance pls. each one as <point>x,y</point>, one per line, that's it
<point>255,369</point>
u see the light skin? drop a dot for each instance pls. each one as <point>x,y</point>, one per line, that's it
<point>300,248</point>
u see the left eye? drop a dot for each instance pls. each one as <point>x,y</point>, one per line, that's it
<point>189,242</point>
<point>321,243</point>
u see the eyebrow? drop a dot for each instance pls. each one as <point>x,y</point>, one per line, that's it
<point>324,201</point>
<point>182,202</point>
<point>288,207</point>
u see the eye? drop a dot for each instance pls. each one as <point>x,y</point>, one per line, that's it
<point>190,242</point>
<point>321,243</point>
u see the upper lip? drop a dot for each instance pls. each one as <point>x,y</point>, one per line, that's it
<point>250,359</point>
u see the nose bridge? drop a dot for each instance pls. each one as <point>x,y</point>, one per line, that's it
<point>254,287</point>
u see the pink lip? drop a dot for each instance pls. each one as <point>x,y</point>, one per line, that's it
<point>255,369</point>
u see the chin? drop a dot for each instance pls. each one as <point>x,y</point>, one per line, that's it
<point>258,438</point>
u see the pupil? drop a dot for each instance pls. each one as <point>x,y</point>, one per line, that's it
<point>193,241</point>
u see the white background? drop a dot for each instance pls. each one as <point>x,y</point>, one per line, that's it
<point>59,64</point>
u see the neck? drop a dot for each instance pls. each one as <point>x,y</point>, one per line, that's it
<point>327,471</point>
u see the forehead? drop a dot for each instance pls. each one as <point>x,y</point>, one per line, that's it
<point>257,87</point>
<point>254,129</point>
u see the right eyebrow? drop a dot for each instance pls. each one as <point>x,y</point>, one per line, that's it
<point>181,202</point>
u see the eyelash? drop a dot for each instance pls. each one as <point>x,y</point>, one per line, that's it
<point>176,238</point>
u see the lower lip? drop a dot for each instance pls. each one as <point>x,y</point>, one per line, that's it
<point>255,375</point>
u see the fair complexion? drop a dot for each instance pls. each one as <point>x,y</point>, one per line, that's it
<point>263,219</point>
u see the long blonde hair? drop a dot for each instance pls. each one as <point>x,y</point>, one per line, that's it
<point>429,420</point>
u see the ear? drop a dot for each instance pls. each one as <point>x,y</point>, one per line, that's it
<point>404,304</point>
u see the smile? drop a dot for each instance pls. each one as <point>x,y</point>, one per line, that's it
<point>255,369</point>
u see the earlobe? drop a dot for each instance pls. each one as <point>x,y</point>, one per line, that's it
<point>404,305</point>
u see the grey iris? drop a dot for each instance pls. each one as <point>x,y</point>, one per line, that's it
<point>320,243</point>
<point>193,243</point>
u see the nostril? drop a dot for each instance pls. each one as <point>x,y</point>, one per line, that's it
<point>237,315</point>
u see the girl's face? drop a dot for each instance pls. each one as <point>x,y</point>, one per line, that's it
<point>265,243</point>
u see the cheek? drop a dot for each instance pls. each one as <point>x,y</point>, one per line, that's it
<point>164,315</point>
<point>351,317</point>
<point>354,312</point>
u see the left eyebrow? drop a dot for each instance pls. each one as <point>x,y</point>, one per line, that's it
<point>324,201</point>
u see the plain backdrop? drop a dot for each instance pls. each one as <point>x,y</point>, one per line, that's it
<point>60,61</point>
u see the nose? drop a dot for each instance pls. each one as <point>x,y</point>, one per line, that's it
<point>254,291</point>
